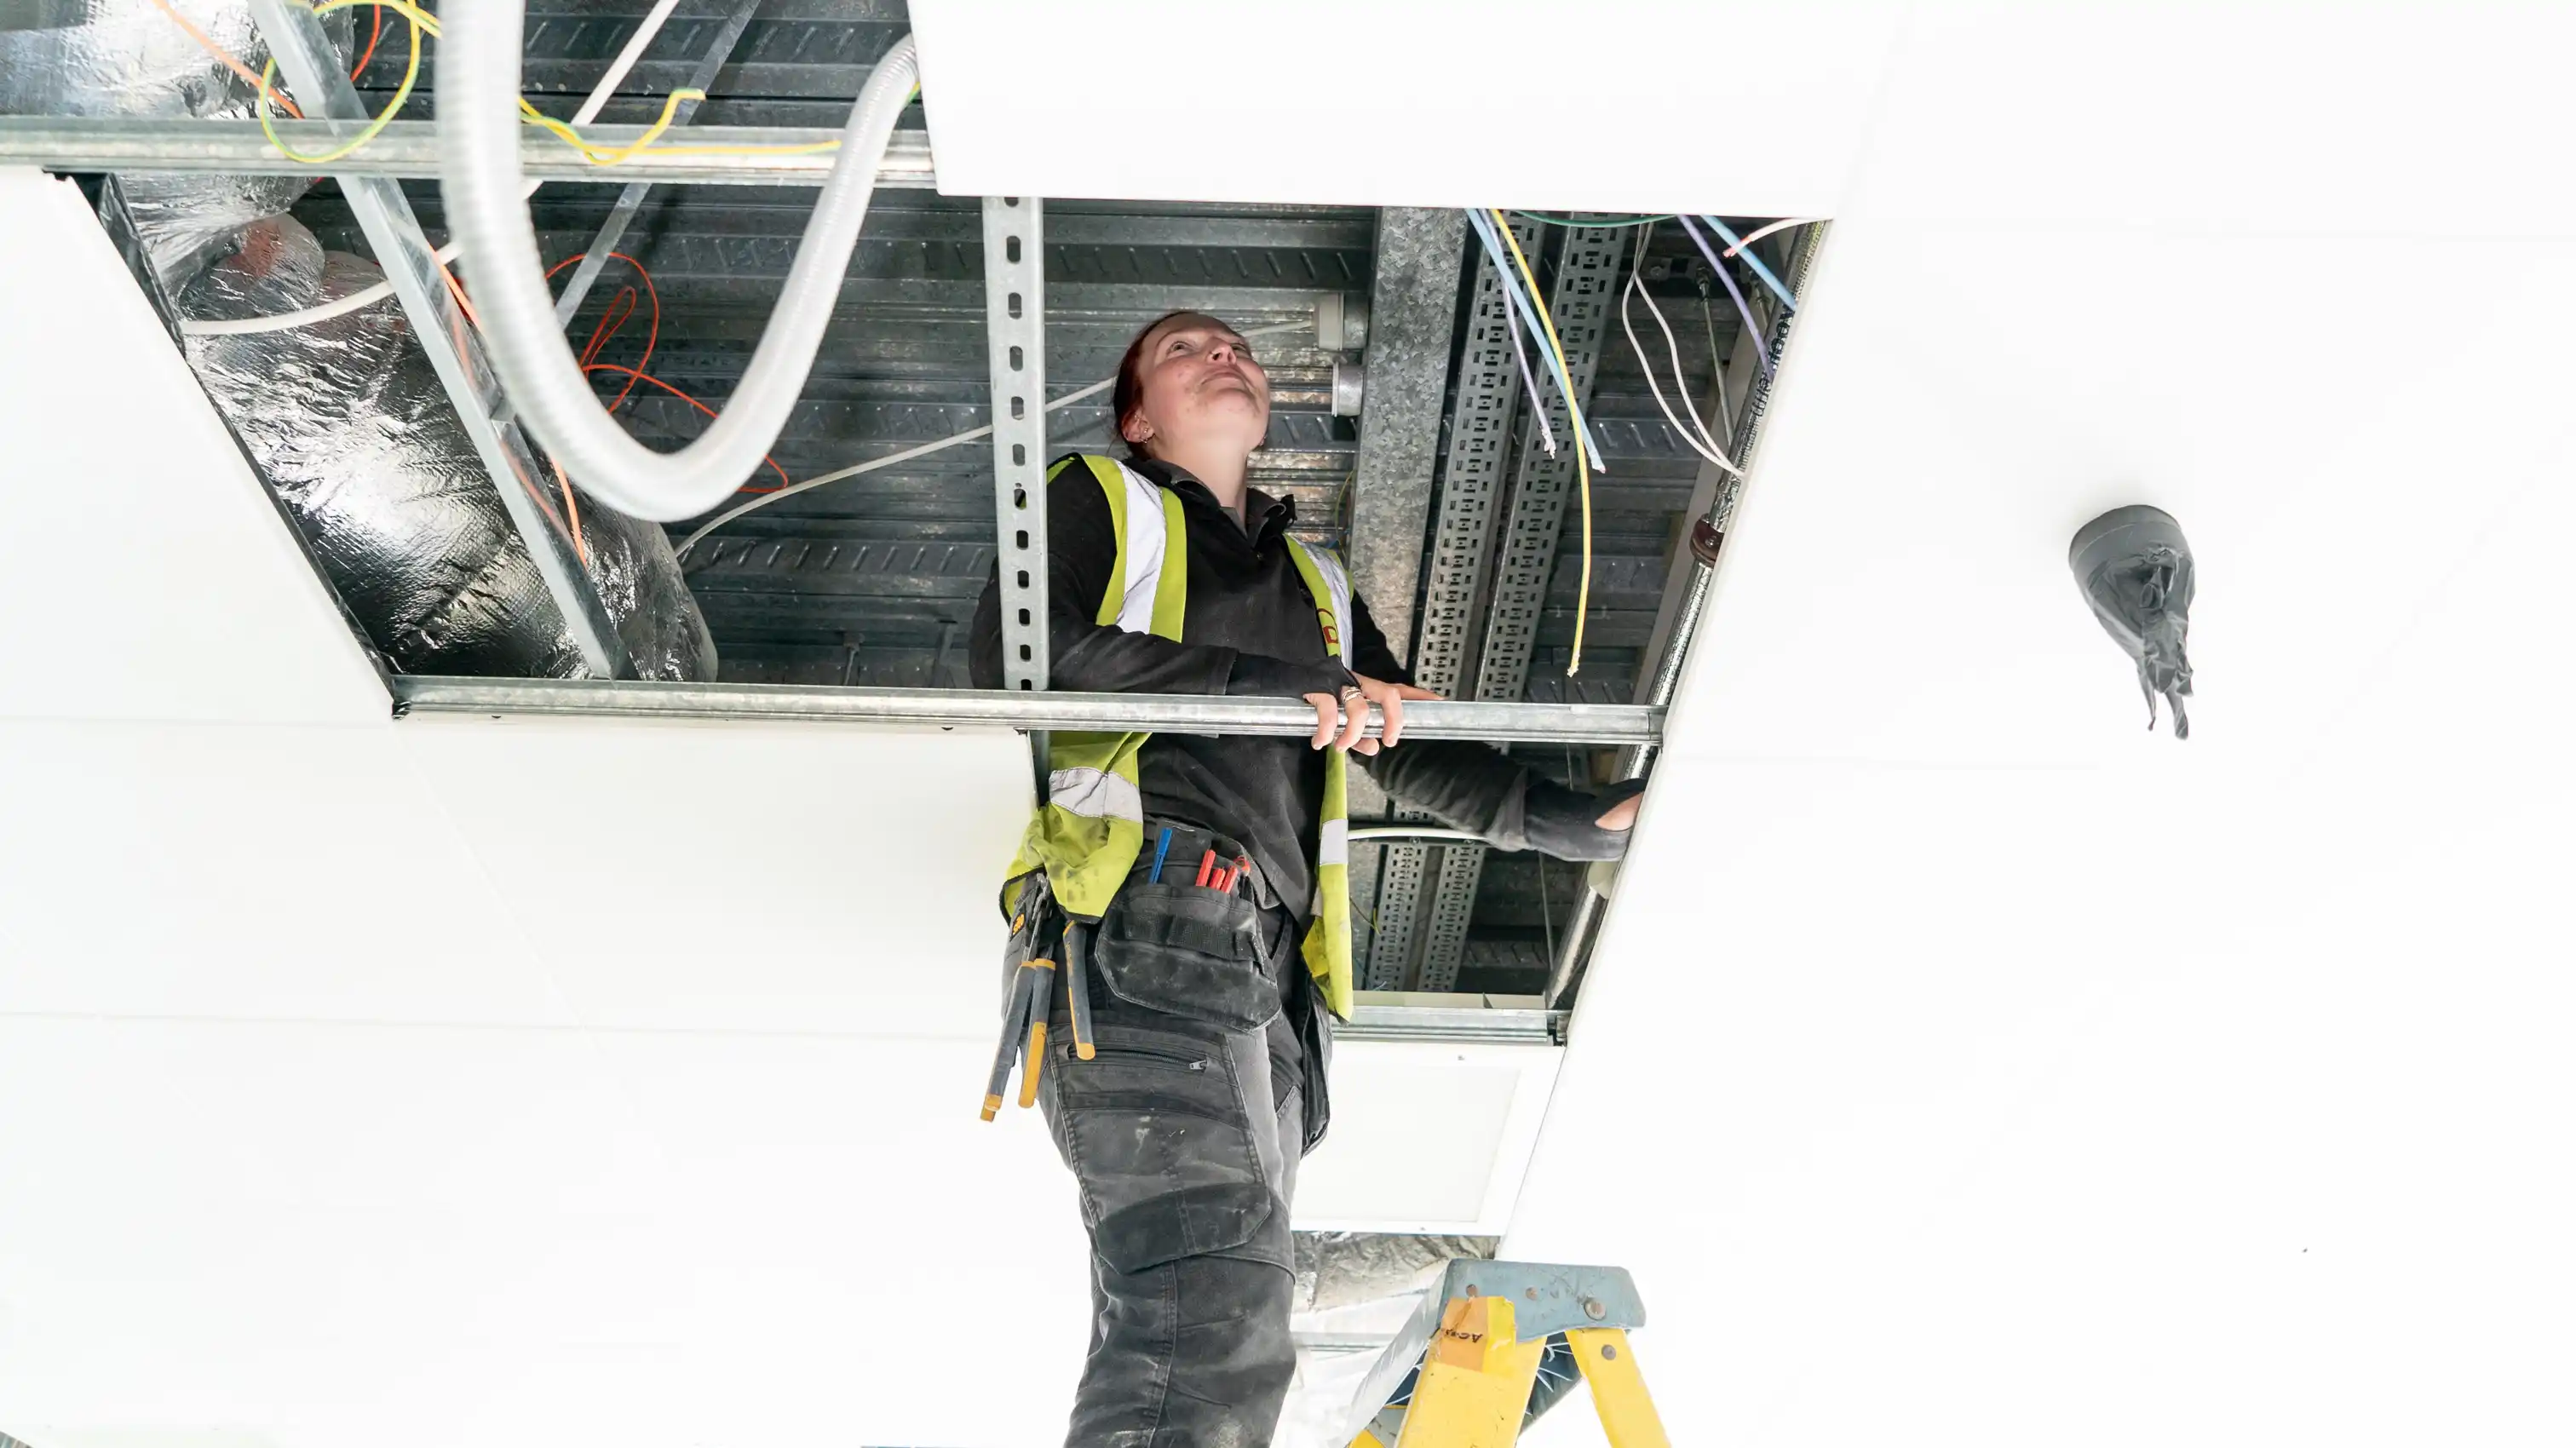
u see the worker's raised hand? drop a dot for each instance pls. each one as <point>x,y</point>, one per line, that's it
<point>1340,718</point>
<point>1389,698</point>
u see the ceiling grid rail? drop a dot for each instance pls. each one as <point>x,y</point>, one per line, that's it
<point>1587,277</point>
<point>1481,412</point>
<point>408,150</point>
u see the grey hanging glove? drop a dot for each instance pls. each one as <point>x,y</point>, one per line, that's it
<point>2136,572</point>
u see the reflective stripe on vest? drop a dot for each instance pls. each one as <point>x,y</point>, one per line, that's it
<point>1092,827</point>
<point>1327,946</point>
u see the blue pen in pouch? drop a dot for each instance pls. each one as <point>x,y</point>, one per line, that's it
<point>1162,847</point>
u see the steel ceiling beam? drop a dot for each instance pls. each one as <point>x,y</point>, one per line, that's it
<point>408,150</point>
<point>1600,724</point>
<point>313,70</point>
<point>1413,305</point>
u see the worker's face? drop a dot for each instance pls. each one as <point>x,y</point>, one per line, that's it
<point>1198,388</point>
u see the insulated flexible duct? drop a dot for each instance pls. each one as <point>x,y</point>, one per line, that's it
<point>482,182</point>
<point>347,421</point>
<point>131,58</point>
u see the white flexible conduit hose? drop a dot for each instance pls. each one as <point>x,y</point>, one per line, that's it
<point>482,183</point>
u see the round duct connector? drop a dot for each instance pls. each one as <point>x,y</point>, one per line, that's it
<point>1349,382</point>
<point>1341,323</point>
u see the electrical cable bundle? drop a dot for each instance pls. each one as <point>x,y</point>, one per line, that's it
<point>1495,232</point>
<point>1525,311</point>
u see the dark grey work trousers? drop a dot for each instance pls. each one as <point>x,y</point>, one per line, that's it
<point>1184,1132</point>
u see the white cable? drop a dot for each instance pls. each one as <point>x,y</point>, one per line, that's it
<point>624,62</point>
<point>370,295</point>
<point>1762,231</point>
<point>481,179</point>
<point>908,454</point>
<point>1538,405</point>
<point>363,297</point>
<point>1702,444</point>
<point>1416,832</point>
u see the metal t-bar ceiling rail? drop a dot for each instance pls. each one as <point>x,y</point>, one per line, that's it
<point>1594,724</point>
<point>408,150</point>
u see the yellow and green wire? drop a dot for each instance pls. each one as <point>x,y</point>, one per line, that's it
<point>422,22</point>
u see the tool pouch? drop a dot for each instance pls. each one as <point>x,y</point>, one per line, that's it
<point>1186,951</point>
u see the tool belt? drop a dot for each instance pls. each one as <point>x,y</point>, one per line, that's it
<point>1197,931</point>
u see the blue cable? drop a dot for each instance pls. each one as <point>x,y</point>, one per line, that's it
<point>1754,262</point>
<point>1529,318</point>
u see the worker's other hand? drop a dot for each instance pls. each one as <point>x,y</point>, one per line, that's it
<point>1339,718</point>
<point>1622,815</point>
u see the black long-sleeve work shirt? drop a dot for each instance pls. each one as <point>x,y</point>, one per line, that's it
<point>1249,628</point>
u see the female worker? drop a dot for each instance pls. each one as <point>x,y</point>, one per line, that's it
<point>1214,869</point>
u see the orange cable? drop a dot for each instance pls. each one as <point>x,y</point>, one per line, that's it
<point>572,510</point>
<point>693,402</point>
<point>231,61</point>
<point>653,334</point>
<point>360,68</point>
<point>610,322</point>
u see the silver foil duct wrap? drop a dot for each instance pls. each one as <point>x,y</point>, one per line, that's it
<point>348,422</point>
<point>130,58</point>
<point>1345,1269</point>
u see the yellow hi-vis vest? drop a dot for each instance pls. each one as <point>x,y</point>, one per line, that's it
<point>1092,827</point>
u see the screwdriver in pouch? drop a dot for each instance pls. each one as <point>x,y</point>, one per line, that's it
<point>1012,1018</point>
<point>1077,986</point>
<point>1041,975</point>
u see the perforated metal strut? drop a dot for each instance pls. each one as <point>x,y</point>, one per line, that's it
<point>1471,480</point>
<point>1579,300</point>
<point>1470,629</point>
<point>1015,322</point>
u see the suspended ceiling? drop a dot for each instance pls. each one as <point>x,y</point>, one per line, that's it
<point>2283,1168</point>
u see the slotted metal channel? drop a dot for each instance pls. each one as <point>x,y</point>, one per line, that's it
<point>1471,484</point>
<point>1579,299</point>
<point>1015,320</point>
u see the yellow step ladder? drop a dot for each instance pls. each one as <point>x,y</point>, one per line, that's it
<point>1462,1373</point>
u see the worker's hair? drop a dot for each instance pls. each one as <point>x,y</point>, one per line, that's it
<point>1130,391</point>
